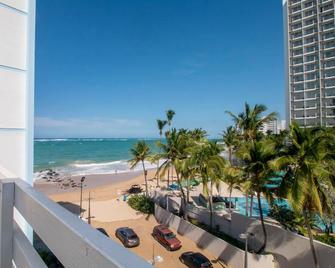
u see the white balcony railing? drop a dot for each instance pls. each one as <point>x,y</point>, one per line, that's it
<point>72,241</point>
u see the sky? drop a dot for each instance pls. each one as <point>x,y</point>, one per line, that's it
<point>110,68</point>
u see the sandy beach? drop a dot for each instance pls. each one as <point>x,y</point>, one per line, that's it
<point>58,184</point>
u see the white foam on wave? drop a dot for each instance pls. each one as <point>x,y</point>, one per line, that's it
<point>97,164</point>
<point>87,168</point>
<point>46,140</point>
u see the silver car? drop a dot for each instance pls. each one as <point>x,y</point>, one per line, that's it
<point>127,236</point>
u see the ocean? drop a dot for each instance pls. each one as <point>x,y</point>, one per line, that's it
<point>86,156</point>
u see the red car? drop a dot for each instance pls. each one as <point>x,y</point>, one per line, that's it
<point>166,237</point>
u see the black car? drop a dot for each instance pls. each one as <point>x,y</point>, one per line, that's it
<point>195,260</point>
<point>135,189</point>
<point>127,236</point>
<point>103,231</point>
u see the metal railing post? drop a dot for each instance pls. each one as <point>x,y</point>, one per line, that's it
<point>6,223</point>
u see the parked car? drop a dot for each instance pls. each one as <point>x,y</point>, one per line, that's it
<point>195,260</point>
<point>127,236</point>
<point>103,231</point>
<point>135,189</point>
<point>166,237</point>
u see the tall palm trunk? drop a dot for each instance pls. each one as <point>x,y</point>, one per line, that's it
<point>251,203</point>
<point>311,241</point>
<point>246,203</point>
<point>145,179</point>
<point>158,174</point>
<point>230,155</point>
<point>188,191</point>
<point>210,201</point>
<point>172,173</point>
<point>230,192</point>
<point>157,183</point>
<point>183,199</point>
<point>262,222</point>
<point>168,178</point>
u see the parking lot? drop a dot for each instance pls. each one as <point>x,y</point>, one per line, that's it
<point>149,246</point>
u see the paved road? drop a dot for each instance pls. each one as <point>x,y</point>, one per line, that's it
<point>143,227</point>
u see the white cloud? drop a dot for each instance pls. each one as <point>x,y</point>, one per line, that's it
<point>73,122</point>
<point>191,66</point>
<point>90,127</point>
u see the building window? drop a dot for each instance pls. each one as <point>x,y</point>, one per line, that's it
<point>310,31</point>
<point>329,73</point>
<point>310,67</point>
<point>311,58</point>
<point>297,60</point>
<point>309,40</point>
<point>311,76</point>
<point>329,63</point>
<point>328,35</point>
<point>298,78</point>
<point>329,54</point>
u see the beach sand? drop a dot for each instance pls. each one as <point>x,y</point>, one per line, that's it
<point>101,186</point>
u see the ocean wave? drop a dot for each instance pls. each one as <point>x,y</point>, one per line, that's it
<point>46,140</point>
<point>84,165</point>
<point>113,167</point>
<point>91,139</point>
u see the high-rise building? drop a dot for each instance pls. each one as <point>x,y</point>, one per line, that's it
<point>310,61</point>
<point>275,126</point>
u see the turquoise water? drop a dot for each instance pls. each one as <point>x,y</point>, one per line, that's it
<point>85,156</point>
<point>241,207</point>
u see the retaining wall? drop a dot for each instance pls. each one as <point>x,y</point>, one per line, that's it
<point>229,254</point>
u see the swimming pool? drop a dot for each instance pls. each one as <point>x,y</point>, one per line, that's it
<point>241,207</point>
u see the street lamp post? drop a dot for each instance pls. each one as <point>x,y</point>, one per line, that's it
<point>245,236</point>
<point>89,208</point>
<point>81,195</point>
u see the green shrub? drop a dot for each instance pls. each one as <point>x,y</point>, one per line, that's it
<point>327,239</point>
<point>288,218</point>
<point>141,203</point>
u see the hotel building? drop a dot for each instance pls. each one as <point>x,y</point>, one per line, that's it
<point>310,62</point>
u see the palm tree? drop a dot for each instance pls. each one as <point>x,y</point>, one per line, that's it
<point>197,134</point>
<point>306,160</point>
<point>173,152</point>
<point>233,178</point>
<point>169,115</point>
<point>257,157</point>
<point>250,121</point>
<point>206,158</point>
<point>187,170</point>
<point>160,124</point>
<point>140,153</point>
<point>230,139</point>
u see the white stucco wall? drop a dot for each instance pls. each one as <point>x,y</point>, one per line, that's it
<point>17,42</point>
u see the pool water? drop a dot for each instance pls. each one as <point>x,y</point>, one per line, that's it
<point>241,207</point>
